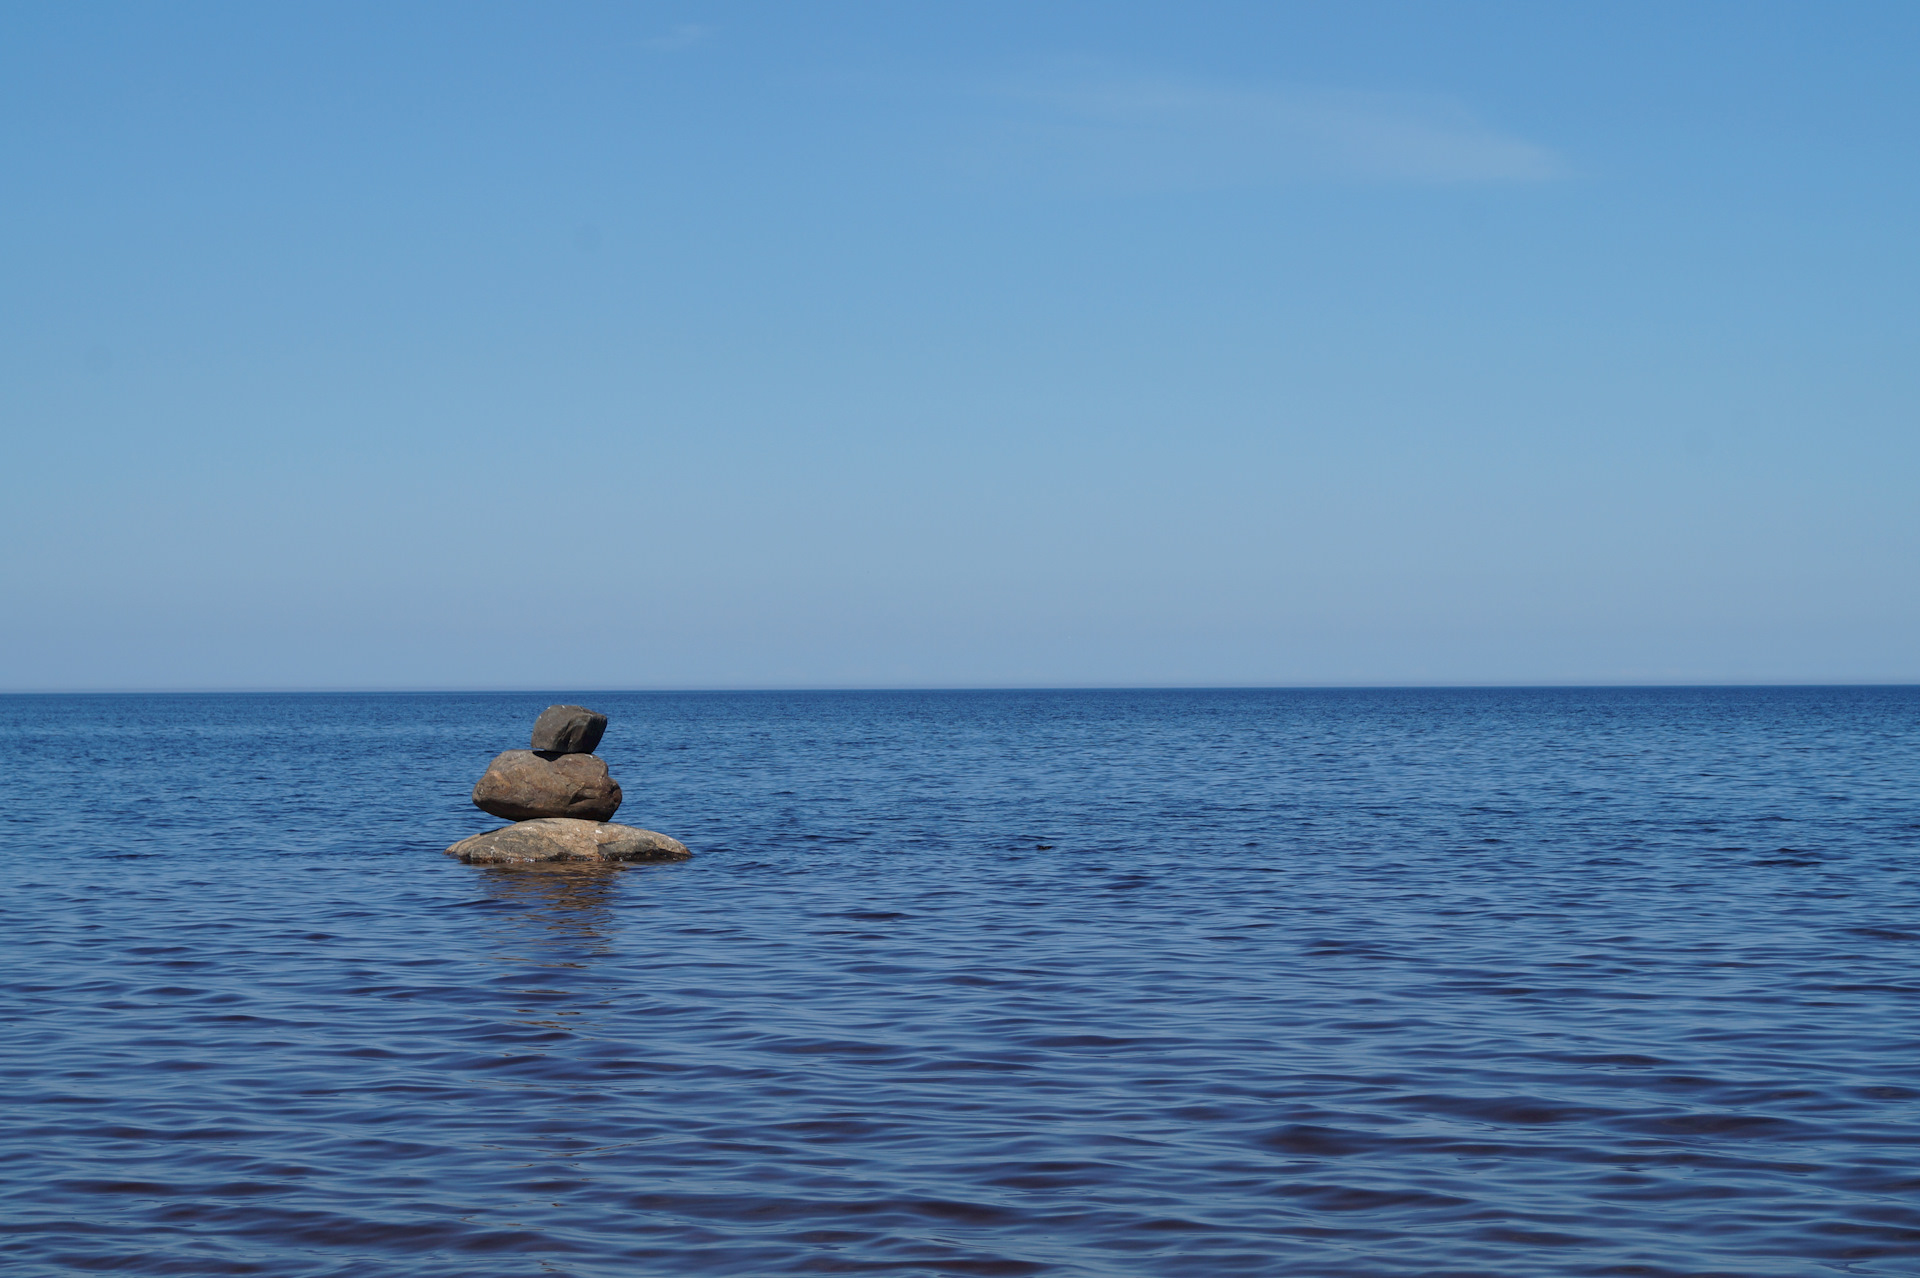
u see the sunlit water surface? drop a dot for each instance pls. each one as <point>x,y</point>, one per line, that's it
<point>1523,983</point>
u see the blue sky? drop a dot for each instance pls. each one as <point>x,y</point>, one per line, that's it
<point>957,344</point>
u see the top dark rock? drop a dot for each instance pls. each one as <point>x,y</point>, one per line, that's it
<point>568,730</point>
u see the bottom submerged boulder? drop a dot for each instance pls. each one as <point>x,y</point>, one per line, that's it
<point>567,839</point>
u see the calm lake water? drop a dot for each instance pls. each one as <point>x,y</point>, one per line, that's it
<point>1462,982</point>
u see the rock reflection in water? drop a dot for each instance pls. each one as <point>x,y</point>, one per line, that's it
<point>553,909</point>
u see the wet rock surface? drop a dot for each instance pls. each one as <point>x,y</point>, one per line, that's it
<point>564,839</point>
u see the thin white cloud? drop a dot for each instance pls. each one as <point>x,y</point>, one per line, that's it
<point>686,35</point>
<point>1157,133</point>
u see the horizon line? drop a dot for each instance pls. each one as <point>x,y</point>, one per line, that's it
<point>1329,686</point>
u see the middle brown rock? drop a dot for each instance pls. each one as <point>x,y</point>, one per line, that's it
<point>523,786</point>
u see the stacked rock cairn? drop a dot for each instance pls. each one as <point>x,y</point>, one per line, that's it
<point>558,796</point>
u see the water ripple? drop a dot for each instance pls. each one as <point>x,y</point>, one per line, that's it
<point>1532,983</point>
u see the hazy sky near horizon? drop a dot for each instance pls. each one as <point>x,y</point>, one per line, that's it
<point>658,345</point>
